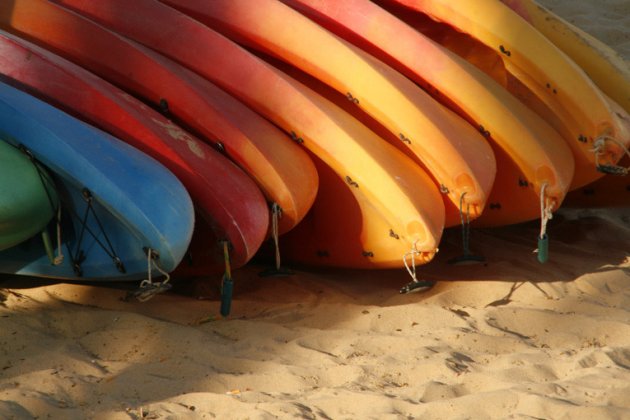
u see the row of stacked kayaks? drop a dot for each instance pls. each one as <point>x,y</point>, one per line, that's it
<point>146,137</point>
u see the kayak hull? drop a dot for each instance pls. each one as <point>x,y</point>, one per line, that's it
<point>28,199</point>
<point>224,196</point>
<point>117,203</point>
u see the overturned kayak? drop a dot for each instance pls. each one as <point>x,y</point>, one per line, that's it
<point>280,168</point>
<point>28,199</point>
<point>225,198</point>
<point>453,152</point>
<point>386,187</point>
<point>530,154</point>
<point>493,37</point>
<point>603,65</point>
<point>122,212</point>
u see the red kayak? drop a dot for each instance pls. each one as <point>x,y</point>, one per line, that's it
<point>224,195</point>
<point>399,207</point>
<point>283,171</point>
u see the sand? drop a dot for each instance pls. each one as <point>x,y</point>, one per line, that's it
<point>607,20</point>
<point>510,338</point>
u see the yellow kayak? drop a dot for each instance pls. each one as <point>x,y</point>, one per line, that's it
<point>528,151</point>
<point>450,149</point>
<point>493,37</point>
<point>389,189</point>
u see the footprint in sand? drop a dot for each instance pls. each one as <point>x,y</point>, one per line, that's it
<point>436,391</point>
<point>621,357</point>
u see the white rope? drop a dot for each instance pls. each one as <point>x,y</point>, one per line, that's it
<point>600,143</point>
<point>412,270</point>
<point>59,258</point>
<point>148,282</point>
<point>276,213</point>
<point>545,211</point>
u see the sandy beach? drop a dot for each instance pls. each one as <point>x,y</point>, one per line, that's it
<point>509,338</point>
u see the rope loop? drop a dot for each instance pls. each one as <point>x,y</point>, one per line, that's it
<point>467,257</point>
<point>545,215</point>
<point>414,285</point>
<point>58,259</point>
<point>276,214</point>
<point>599,146</point>
<point>545,212</point>
<point>47,180</point>
<point>148,288</point>
<point>278,270</point>
<point>465,223</point>
<point>106,245</point>
<point>412,253</point>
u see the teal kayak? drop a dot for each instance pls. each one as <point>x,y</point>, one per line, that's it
<point>28,199</point>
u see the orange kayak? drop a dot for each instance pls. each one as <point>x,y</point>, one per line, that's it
<point>608,191</point>
<point>528,151</point>
<point>493,37</point>
<point>387,187</point>
<point>281,169</point>
<point>456,154</point>
<point>362,220</point>
<point>604,65</point>
<point>453,152</point>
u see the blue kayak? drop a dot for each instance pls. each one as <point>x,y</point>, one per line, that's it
<point>121,211</point>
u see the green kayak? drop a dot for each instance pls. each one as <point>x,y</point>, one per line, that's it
<point>27,196</point>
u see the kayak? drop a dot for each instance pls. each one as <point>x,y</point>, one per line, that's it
<point>224,196</point>
<point>528,151</point>
<point>387,188</point>
<point>493,37</point>
<point>122,212</point>
<point>28,199</point>
<point>609,71</point>
<point>455,154</point>
<point>281,169</point>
